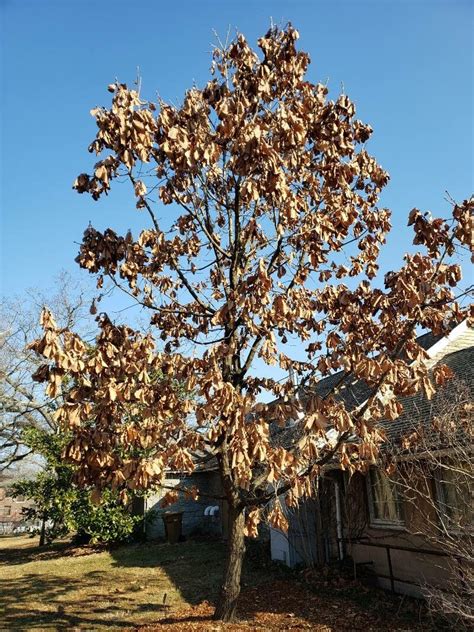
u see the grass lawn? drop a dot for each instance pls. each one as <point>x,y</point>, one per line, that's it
<point>63,587</point>
<point>162,586</point>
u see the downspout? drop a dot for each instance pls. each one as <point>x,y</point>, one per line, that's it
<point>340,546</point>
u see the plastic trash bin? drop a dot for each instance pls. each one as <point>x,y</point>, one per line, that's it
<point>173,525</point>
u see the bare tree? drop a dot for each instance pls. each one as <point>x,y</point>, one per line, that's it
<point>433,469</point>
<point>23,403</point>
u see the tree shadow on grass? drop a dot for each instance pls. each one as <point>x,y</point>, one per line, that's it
<point>53,551</point>
<point>37,602</point>
<point>194,568</point>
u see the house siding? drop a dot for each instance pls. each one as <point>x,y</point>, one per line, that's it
<point>194,522</point>
<point>11,516</point>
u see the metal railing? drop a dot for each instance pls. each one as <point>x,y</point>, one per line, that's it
<point>396,547</point>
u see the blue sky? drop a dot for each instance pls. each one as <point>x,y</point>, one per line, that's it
<point>407,65</point>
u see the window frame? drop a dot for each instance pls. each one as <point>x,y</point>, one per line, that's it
<point>446,521</point>
<point>374,521</point>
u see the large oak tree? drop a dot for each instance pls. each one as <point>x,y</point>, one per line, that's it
<point>262,234</point>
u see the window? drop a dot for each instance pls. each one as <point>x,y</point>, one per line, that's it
<point>384,499</point>
<point>7,510</point>
<point>454,491</point>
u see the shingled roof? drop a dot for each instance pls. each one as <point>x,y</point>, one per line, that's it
<point>455,350</point>
<point>420,412</point>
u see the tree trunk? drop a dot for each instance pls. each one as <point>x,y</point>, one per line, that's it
<point>230,589</point>
<point>42,541</point>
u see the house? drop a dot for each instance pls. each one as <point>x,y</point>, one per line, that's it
<point>12,519</point>
<point>205,515</point>
<point>411,528</point>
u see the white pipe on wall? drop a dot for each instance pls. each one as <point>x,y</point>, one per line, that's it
<point>339,521</point>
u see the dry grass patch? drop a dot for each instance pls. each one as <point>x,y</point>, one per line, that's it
<point>60,587</point>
